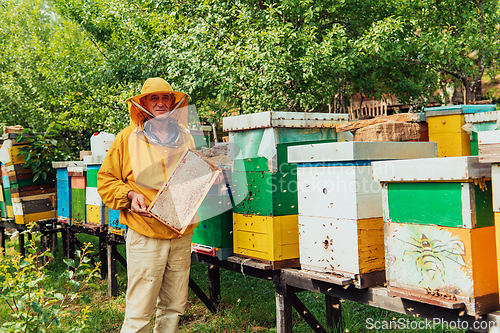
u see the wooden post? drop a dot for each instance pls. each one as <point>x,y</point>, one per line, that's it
<point>70,245</point>
<point>102,257</point>
<point>54,244</point>
<point>43,246</point>
<point>333,312</point>
<point>64,238</point>
<point>214,284</point>
<point>21,244</point>
<point>112,271</point>
<point>283,310</point>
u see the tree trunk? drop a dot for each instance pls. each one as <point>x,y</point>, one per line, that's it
<point>469,93</point>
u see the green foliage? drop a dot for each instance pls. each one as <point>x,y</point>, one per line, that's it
<point>75,62</point>
<point>50,71</point>
<point>33,303</point>
<point>43,149</point>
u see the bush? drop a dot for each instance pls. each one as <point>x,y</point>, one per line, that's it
<point>33,304</point>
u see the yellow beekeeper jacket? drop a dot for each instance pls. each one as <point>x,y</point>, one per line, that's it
<point>135,164</point>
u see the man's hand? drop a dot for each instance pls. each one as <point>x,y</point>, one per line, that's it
<point>220,178</point>
<point>138,204</point>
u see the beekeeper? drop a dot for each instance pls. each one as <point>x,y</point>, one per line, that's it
<point>138,162</point>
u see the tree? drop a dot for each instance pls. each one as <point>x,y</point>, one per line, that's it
<point>446,39</point>
<point>293,55</point>
<point>51,72</point>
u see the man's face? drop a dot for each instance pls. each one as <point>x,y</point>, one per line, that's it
<point>159,104</point>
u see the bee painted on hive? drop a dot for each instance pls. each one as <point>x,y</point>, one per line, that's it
<point>429,255</point>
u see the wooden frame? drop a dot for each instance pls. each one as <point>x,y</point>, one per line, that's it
<point>187,173</point>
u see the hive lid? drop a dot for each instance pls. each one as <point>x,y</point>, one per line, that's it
<point>360,151</point>
<point>482,117</point>
<point>458,109</point>
<point>284,119</point>
<point>65,164</point>
<point>459,168</point>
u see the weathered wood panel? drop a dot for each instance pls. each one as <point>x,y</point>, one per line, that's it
<point>394,131</point>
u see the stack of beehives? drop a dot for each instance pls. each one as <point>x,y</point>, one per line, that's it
<point>264,184</point>
<point>96,210</point>
<point>31,200</point>
<point>64,198</point>
<point>439,233</point>
<point>445,127</point>
<point>214,234</point>
<point>340,207</point>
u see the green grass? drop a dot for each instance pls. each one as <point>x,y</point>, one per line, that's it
<point>247,304</point>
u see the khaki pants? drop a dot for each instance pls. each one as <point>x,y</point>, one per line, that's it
<point>158,275</point>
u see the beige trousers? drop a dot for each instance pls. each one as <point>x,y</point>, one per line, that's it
<point>158,275</point>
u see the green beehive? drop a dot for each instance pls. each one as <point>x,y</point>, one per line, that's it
<point>216,222</point>
<point>265,193</point>
<point>441,204</point>
<point>78,207</point>
<point>447,191</point>
<point>250,143</point>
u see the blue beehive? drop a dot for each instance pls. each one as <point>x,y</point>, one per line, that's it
<point>63,195</point>
<point>114,225</point>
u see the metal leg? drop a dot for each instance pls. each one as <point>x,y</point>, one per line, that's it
<point>214,284</point>
<point>333,312</point>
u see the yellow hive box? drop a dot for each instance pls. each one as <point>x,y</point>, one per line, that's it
<point>23,219</point>
<point>447,132</point>
<point>14,151</point>
<point>117,231</point>
<point>272,238</point>
<point>97,214</point>
<point>10,212</point>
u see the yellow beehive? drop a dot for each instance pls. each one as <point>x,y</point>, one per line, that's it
<point>272,238</point>
<point>34,217</point>
<point>97,214</point>
<point>447,132</point>
<point>14,152</point>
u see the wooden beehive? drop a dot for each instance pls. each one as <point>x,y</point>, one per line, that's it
<point>78,184</point>
<point>450,267</point>
<point>265,193</point>
<point>267,238</point>
<point>340,206</point>
<point>176,202</point>
<point>342,246</point>
<point>489,146</point>
<point>64,189</point>
<point>114,225</point>
<point>445,128</point>
<point>216,222</point>
<point>34,208</point>
<point>453,191</point>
